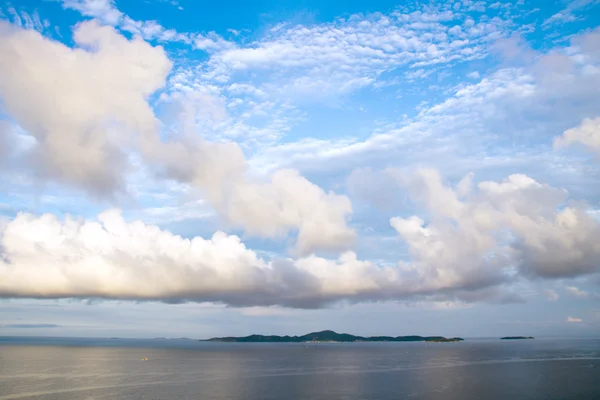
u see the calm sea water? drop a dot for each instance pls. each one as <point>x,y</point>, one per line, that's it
<point>93,369</point>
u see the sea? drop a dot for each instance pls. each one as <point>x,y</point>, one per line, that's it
<point>487,369</point>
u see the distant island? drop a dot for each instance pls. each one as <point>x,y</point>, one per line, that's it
<point>516,337</point>
<point>331,336</point>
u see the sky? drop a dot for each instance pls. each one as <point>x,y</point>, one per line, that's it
<point>179,168</point>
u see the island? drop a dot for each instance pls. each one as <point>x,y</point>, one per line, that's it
<point>516,337</point>
<point>330,336</point>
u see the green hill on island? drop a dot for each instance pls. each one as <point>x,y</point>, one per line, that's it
<point>331,336</point>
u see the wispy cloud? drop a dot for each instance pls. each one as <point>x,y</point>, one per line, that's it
<point>576,292</point>
<point>513,107</point>
<point>107,13</point>
<point>551,294</point>
<point>349,54</point>
<point>569,13</point>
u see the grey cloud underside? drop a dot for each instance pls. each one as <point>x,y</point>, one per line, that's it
<point>292,296</point>
<point>484,295</point>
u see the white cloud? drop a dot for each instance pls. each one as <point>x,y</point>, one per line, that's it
<point>574,320</point>
<point>326,62</point>
<point>474,75</point>
<point>116,259</point>
<point>271,206</point>
<point>560,17</point>
<point>476,245</point>
<point>77,136</point>
<point>107,13</point>
<point>481,125</point>
<point>576,292</point>
<point>568,14</point>
<point>104,10</point>
<point>490,234</point>
<point>472,240</point>
<point>268,207</point>
<point>348,54</point>
<point>588,134</point>
<point>266,311</point>
<point>254,117</point>
<point>191,210</point>
<point>45,257</point>
<point>16,19</point>
<point>82,139</point>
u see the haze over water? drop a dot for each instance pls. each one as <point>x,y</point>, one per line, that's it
<point>55,368</point>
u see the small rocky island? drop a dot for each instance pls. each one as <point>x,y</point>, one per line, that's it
<point>517,337</point>
<point>331,336</point>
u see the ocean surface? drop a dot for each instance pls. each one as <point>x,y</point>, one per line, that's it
<point>93,369</point>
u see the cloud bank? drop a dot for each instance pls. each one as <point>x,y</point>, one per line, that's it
<point>44,257</point>
<point>477,243</point>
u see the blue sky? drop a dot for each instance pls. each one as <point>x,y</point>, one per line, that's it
<point>185,168</point>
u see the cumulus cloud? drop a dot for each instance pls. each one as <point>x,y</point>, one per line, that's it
<point>587,133</point>
<point>574,320</point>
<point>266,206</point>
<point>44,257</point>
<point>79,102</point>
<point>478,242</point>
<point>103,113</point>
<point>271,207</point>
<point>514,226</point>
<point>48,258</point>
